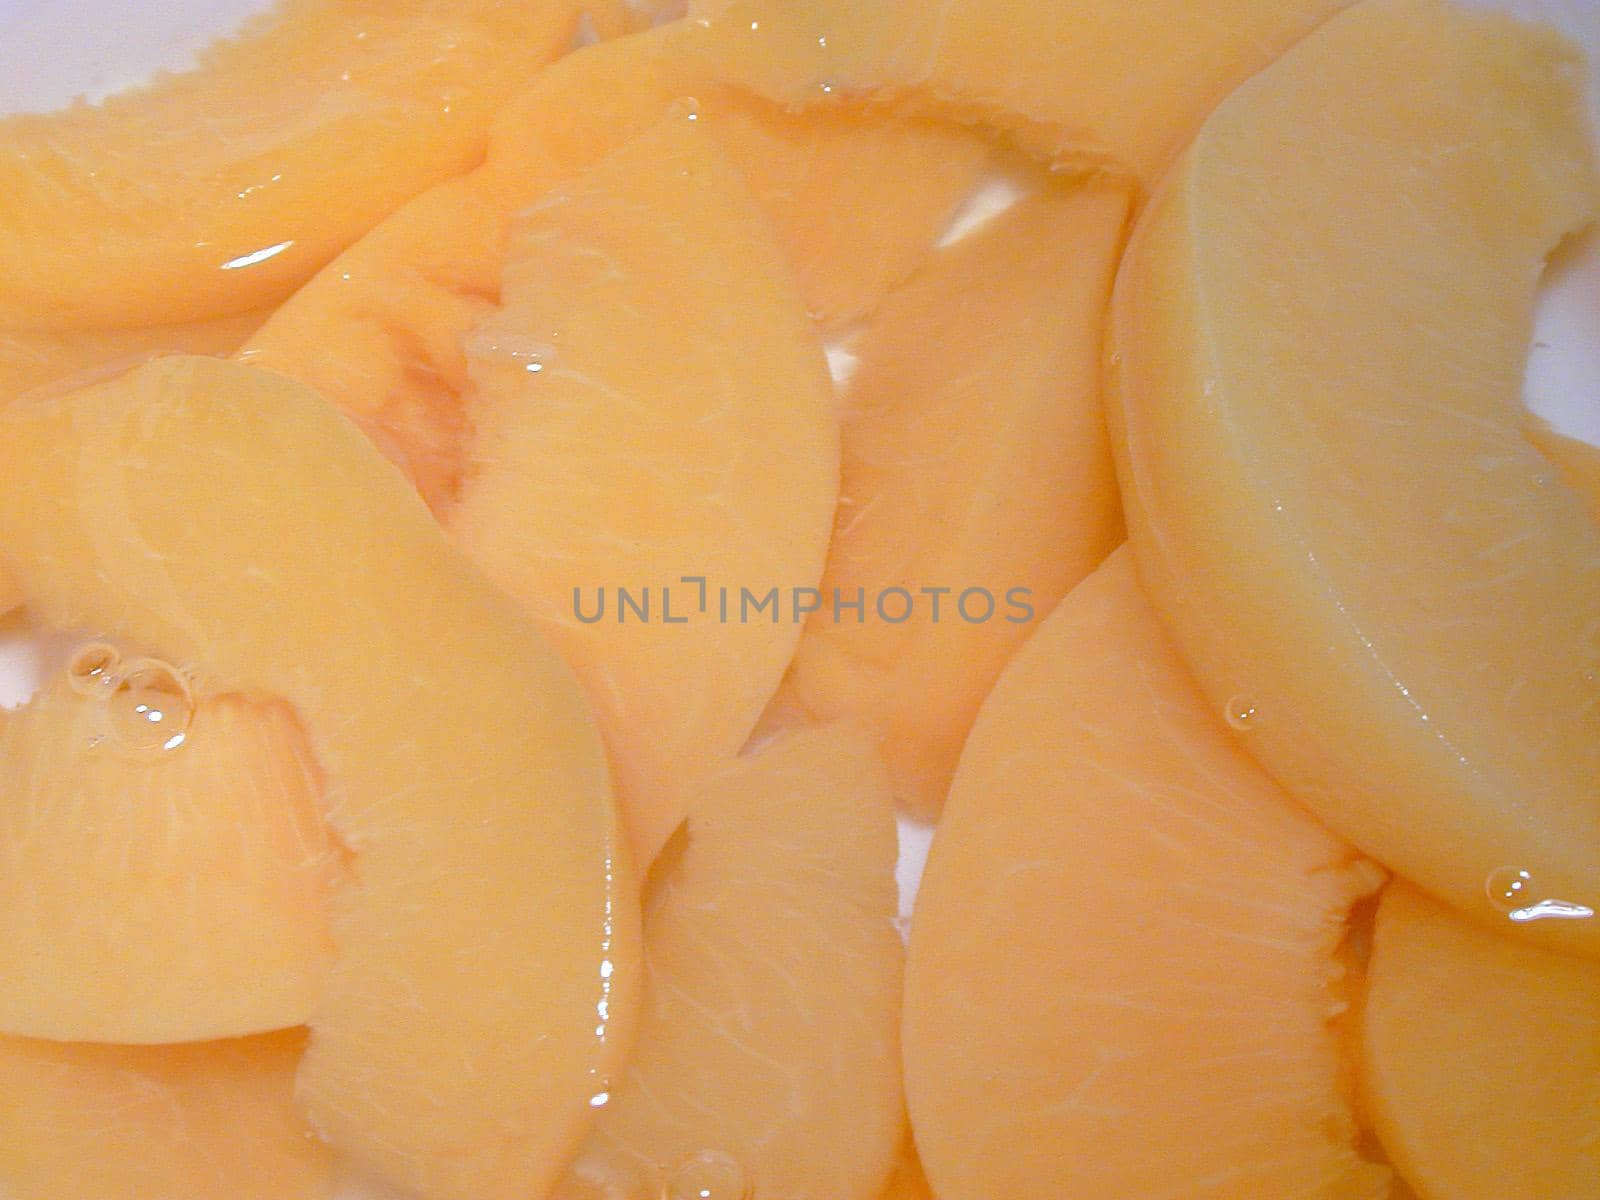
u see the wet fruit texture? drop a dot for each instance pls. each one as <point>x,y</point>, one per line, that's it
<point>1125,963</point>
<point>1482,1058</point>
<point>1321,444</point>
<point>485,973</point>
<point>31,359</point>
<point>613,450</point>
<point>157,1122</point>
<point>1090,84</point>
<point>982,468</point>
<point>318,120</point>
<point>1578,462</point>
<point>855,201</point>
<point>160,880</point>
<point>426,330</point>
<point>768,1045</point>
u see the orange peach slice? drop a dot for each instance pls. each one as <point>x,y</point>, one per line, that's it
<point>1125,965</point>
<point>486,951</point>
<point>976,480</point>
<point>1482,1058</point>
<point>768,1057</point>
<point>1321,443</point>
<point>166,867</point>
<point>157,1122</point>
<point>855,199</point>
<point>318,121</point>
<point>615,453</point>
<point>1084,83</point>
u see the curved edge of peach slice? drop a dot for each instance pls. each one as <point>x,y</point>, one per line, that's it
<point>485,975</point>
<point>321,118</point>
<point>1125,967</point>
<point>1089,85</point>
<point>977,481</point>
<point>768,1053</point>
<point>157,1122</point>
<point>1412,649</point>
<point>1481,1060</point>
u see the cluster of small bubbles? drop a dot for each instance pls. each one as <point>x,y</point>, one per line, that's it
<point>707,1175</point>
<point>149,707</point>
<point>1241,713</point>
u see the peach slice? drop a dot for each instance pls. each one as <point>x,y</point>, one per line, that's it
<point>1482,1058</point>
<point>485,976</point>
<point>31,359</point>
<point>856,200</point>
<point>1125,961</point>
<point>155,894</point>
<point>157,1122</point>
<point>615,453</point>
<point>1092,84</point>
<point>1320,439</point>
<point>319,120</point>
<point>982,470</point>
<point>768,1060</point>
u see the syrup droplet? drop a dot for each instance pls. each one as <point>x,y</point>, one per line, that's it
<point>1512,891</point>
<point>707,1175</point>
<point>150,707</point>
<point>1241,712</point>
<point>93,670</point>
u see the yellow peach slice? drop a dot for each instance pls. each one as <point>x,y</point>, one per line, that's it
<point>856,200</point>
<point>319,120</point>
<point>1482,1058</point>
<point>1099,84</point>
<point>976,480</point>
<point>1124,963</point>
<point>157,1122</point>
<point>486,950</point>
<point>615,453</point>
<point>166,867</point>
<point>768,1060</point>
<point>1321,324</point>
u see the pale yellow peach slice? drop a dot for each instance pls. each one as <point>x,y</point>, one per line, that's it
<point>1321,324</point>
<point>190,1122</point>
<point>768,1058</point>
<point>1482,1058</point>
<point>976,486</point>
<point>165,869</point>
<point>485,973</point>
<point>1114,85</point>
<point>314,123</point>
<point>1125,958</point>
